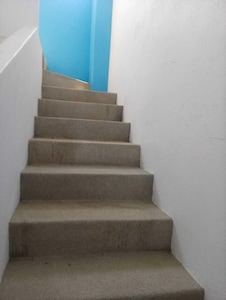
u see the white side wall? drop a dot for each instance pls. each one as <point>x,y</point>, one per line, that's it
<point>15,14</point>
<point>168,65</point>
<point>20,87</point>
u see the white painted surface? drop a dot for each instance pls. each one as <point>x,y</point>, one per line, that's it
<point>15,14</point>
<point>20,87</point>
<point>168,65</point>
<point>2,39</point>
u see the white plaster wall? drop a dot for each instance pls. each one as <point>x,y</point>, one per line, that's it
<point>168,65</point>
<point>15,14</point>
<point>20,87</point>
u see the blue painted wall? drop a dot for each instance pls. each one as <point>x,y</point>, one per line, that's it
<point>100,44</point>
<point>64,27</point>
<point>75,37</point>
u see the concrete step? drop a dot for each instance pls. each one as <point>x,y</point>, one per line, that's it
<point>76,228</point>
<point>113,276</point>
<point>85,183</point>
<point>61,151</point>
<point>58,93</point>
<point>79,110</point>
<point>54,79</point>
<point>81,129</point>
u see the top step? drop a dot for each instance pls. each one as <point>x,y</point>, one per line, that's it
<point>57,80</point>
<point>68,94</point>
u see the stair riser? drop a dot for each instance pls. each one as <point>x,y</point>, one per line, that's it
<point>88,237</point>
<point>77,95</point>
<point>81,129</point>
<point>86,187</point>
<point>53,152</point>
<point>51,108</point>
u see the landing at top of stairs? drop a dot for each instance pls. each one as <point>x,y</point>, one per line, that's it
<point>55,79</point>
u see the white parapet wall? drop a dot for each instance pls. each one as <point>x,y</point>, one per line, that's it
<point>15,14</point>
<point>168,65</point>
<point>20,88</point>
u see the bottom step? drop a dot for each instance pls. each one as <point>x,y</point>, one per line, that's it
<point>140,275</point>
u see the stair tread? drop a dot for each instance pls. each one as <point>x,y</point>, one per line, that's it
<point>70,211</point>
<point>133,275</point>
<point>74,141</point>
<point>84,169</point>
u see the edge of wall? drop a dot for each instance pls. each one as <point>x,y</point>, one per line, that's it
<point>20,88</point>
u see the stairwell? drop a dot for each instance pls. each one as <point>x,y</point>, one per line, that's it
<point>86,227</point>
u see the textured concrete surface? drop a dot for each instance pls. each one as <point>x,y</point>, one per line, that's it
<point>54,79</point>
<point>98,214</point>
<point>85,183</point>
<point>79,110</point>
<point>87,227</point>
<point>55,151</point>
<point>78,95</point>
<point>81,129</point>
<point>140,275</point>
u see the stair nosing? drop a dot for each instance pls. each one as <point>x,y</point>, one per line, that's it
<point>77,141</point>
<point>85,170</point>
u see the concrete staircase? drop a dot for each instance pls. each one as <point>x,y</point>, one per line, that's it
<point>86,227</point>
